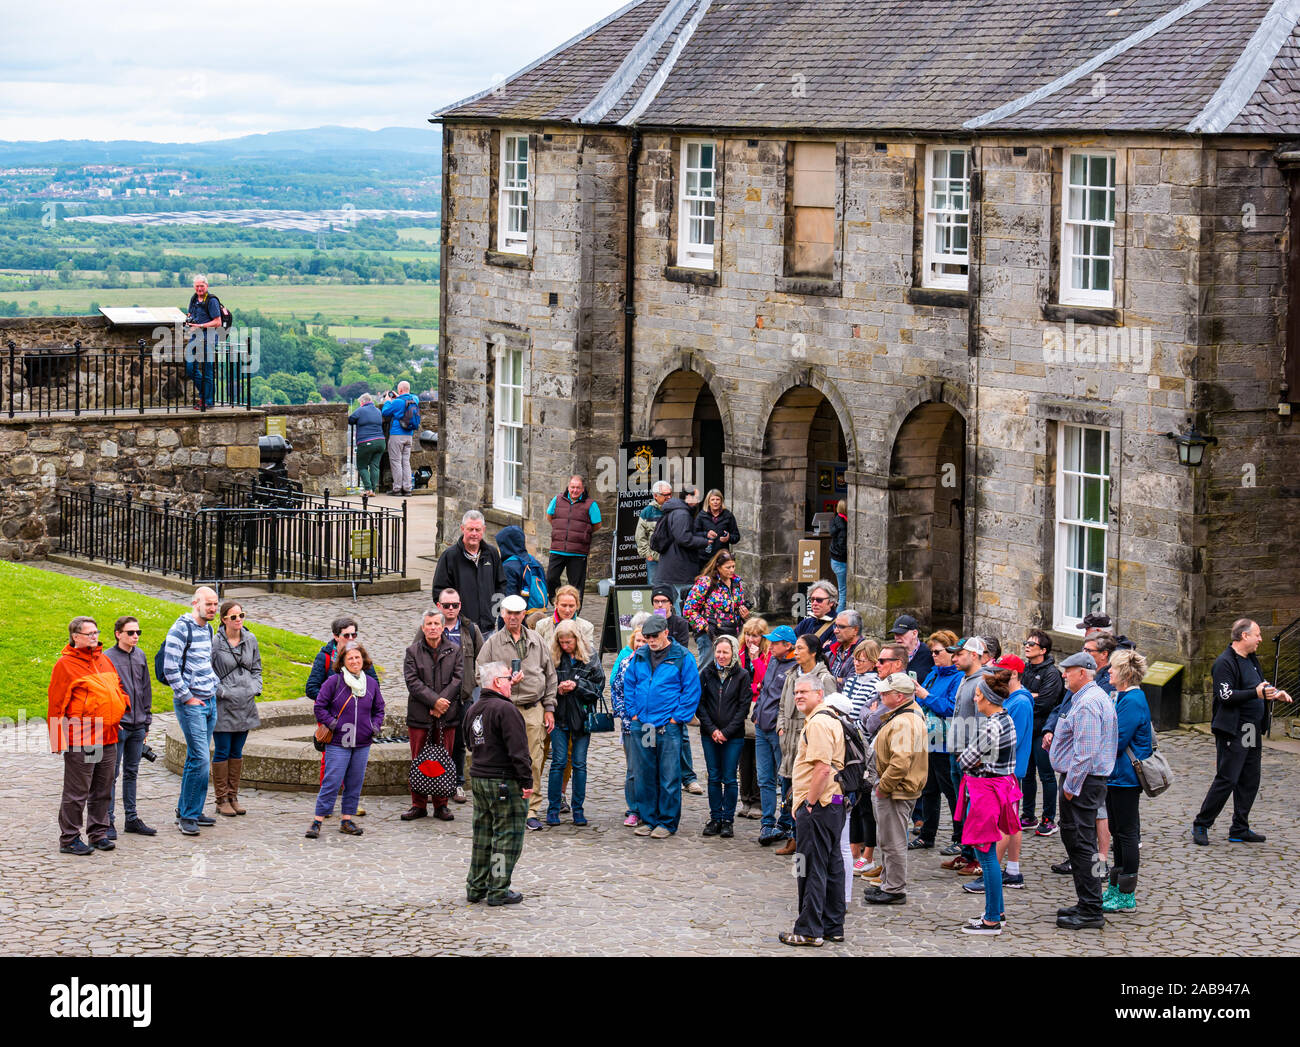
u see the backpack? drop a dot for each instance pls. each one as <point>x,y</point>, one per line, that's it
<point>662,538</point>
<point>158,673</point>
<point>410,419</point>
<point>534,582</point>
<point>853,775</point>
<point>226,318</point>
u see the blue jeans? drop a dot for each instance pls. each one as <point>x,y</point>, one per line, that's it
<point>202,371</point>
<point>842,580</point>
<point>704,649</point>
<point>560,738</point>
<point>767,761</point>
<point>650,566</point>
<point>629,780</point>
<point>228,745</point>
<point>344,769</point>
<point>658,773</point>
<point>688,758</point>
<point>722,759</point>
<point>130,741</point>
<point>1041,761</point>
<point>993,904</point>
<point>196,722</point>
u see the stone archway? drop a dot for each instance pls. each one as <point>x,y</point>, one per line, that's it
<point>927,480</point>
<point>686,415</point>
<point>805,459</point>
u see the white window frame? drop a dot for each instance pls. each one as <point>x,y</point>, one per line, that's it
<point>693,253</point>
<point>508,427</point>
<point>1085,226</point>
<point>514,195</point>
<point>1072,475</point>
<point>937,218</point>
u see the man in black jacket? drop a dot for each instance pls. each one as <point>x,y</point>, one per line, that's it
<point>1043,680</point>
<point>1240,692</point>
<point>432,670</point>
<point>502,785</point>
<point>472,567</point>
<point>679,563</point>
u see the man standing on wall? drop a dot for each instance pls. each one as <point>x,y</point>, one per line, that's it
<point>204,321</point>
<point>574,517</point>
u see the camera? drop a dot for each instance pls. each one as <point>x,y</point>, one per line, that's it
<point>147,753</point>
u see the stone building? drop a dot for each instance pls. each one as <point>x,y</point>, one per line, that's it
<point>964,265</point>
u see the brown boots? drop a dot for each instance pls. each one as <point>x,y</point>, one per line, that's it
<point>236,766</point>
<point>787,847</point>
<point>221,786</point>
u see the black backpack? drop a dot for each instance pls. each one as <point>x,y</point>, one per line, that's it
<point>226,319</point>
<point>853,775</point>
<point>158,673</point>
<point>662,538</point>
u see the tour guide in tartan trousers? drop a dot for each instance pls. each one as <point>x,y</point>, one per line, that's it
<point>502,776</point>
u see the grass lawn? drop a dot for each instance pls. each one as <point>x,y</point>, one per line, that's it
<point>36,606</point>
<point>410,304</point>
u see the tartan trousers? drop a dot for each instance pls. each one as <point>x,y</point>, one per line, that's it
<point>498,836</point>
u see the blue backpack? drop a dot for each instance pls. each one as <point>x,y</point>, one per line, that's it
<point>534,582</point>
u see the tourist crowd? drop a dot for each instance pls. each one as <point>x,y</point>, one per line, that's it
<point>843,746</point>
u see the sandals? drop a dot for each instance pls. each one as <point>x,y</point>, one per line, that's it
<point>314,831</point>
<point>347,825</point>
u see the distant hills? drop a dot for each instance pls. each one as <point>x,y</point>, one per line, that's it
<point>277,145</point>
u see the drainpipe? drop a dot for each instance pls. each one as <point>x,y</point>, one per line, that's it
<point>629,284</point>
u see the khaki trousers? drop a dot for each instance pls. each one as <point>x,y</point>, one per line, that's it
<point>535,724</point>
<point>892,819</point>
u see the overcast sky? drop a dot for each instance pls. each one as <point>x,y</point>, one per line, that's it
<point>176,72</point>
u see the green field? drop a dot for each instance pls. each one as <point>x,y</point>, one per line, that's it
<point>412,304</point>
<point>419,335</point>
<point>428,236</point>
<point>36,606</point>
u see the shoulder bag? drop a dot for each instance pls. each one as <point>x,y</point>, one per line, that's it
<point>432,771</point>
<point>1154,773</point>
<point>599,719</point>
<point>325,735</point>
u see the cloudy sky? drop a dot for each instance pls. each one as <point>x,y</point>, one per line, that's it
<point>176,72</point>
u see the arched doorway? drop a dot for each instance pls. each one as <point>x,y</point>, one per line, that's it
<point>685,414</point>
<point>805,462</point>
<point>927,478</point>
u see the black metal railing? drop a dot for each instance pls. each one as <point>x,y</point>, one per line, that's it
<point>1286,670</point>
<point>77,380</point>
<point>254,544</point>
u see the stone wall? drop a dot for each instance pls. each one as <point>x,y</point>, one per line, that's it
<point>178,457</point>
<point>319,434</point>
<point>55,332</point>
<point>561,304</point>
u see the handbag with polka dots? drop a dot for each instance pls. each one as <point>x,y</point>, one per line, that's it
<point>433,773</point>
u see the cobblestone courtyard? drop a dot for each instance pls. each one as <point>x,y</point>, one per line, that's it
<point>255,886</point>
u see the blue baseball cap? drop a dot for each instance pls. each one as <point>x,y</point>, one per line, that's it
<point>781,633</point>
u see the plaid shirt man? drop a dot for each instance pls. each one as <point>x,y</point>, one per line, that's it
<point>1086,738</point>
<point>993,750</point>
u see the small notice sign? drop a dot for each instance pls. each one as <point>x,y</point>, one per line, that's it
<point>363,545</point>
<point>277,425</point>
<point>1160,673</point>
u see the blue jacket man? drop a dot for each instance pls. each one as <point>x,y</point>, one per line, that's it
<point>401,437</point>
<point>661,691</point>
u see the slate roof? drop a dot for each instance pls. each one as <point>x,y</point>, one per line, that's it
<point>920,65</point>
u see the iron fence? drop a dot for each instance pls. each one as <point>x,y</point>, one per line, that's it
<point>77,380</point>
<point>229,544</point>
<point>1286,671</point>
